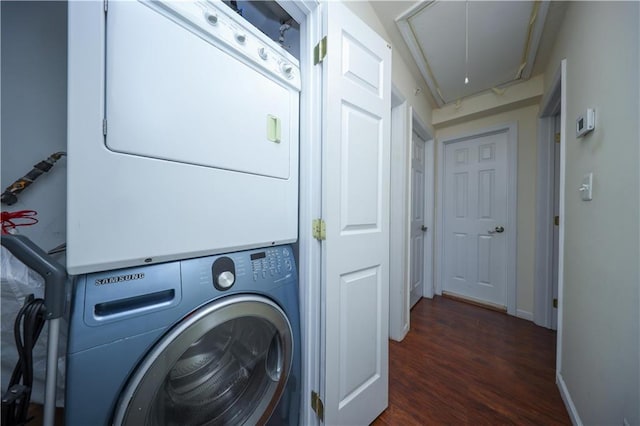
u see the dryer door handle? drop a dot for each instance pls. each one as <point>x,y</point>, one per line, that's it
<point>274,128</point>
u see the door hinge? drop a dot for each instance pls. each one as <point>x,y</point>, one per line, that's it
<point>317,405</point>
<point>557,137</point>
<point>320,51</point>
<point>319,229</point>
<point>556,220</point>
<point>104,127</point>
<point>555,303</point>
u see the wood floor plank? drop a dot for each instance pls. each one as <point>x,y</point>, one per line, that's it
<point>463,364</point>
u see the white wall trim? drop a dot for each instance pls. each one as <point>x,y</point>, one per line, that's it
<point>307,13</point>
<point>412,44</point>
<point>399,318</point>
<point>563,161</point>
<point>300,9</point>
<point>568,402</point>
<point>419,127</point>
<point>429,200</point>
<point>404,121</point>
<point>543,273</point>
<point>536,36</point>
<point>512,207</point>
<point>543,279</point>
<point>552,99</point>
<point>521,313</point>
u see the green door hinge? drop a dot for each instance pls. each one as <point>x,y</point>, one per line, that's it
<point>317,405</point>
<point>555,303</point>
<point>319,229</point>
<point>320,51</point>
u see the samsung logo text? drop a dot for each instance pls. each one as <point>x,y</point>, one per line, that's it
<point>119,279</point>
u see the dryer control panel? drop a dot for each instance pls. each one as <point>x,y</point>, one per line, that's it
<point>271,263</point>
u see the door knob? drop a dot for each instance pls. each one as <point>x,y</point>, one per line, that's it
<point>424,228</point>
<point>498,229</point>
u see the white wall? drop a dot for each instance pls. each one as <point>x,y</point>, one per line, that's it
<point>527,119</point>
<point>34,111</point>
<point>600,337</point>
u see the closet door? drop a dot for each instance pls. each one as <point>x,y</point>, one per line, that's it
<point>356,149</point>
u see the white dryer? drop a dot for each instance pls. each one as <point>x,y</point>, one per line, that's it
<point>182,134</point>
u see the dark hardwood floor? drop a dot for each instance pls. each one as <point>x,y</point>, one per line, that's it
<point>462,364</point>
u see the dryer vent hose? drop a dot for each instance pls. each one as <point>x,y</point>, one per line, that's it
<point>10,195</point>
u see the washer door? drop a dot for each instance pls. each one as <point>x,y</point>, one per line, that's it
<point>226,363</point>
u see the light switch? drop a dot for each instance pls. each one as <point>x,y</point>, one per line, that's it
<point>586,189</point>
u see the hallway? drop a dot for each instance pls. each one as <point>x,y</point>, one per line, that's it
<point>461,364</point>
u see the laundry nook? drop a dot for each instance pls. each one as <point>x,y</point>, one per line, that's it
<point>314,212</point>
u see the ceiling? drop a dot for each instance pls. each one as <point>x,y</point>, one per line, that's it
<point>508,41</point>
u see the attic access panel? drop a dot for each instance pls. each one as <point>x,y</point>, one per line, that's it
<point>503,41</point>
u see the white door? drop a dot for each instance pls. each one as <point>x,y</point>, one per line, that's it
<point>356,170</point>
<point>418,221</point>
<point>475,218</point>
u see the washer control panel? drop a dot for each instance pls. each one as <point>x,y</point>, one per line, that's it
<point>271,263</point>
<point>242,271</point>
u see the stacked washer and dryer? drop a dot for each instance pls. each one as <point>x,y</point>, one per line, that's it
<point>182,200</point>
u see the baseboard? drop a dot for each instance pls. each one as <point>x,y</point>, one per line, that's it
<point>403,333</point>
<point>474,301</point>
<point>524,315</point>
<point>568,402</point>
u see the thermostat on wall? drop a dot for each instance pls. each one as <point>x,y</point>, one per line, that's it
<point>585,122</point>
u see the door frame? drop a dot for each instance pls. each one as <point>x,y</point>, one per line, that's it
<point>404,121</point>
<point>309,14</point>
<point>551,105</point>
<point>425,134</point>
<point>562,72</point>
<point>399,320</point>
<point>512,206</point>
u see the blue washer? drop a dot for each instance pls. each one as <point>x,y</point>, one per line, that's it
<point>212,340</point>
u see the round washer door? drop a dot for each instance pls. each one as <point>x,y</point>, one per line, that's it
<point>226,363</point>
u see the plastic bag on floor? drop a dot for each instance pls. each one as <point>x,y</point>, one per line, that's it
<point>17,282</point>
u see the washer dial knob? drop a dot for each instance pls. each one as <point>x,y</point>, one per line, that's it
<point>211,18</point>
<point>287,69</point>
<point>223,271</point>
<point>226,279</point>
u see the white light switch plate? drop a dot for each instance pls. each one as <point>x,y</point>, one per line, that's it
<point>586,189</point>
